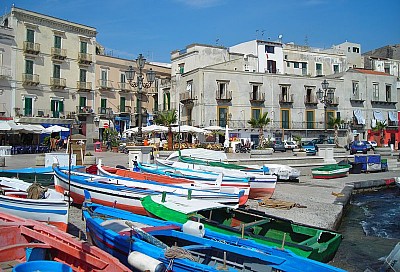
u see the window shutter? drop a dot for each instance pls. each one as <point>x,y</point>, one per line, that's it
<point>30,35</point>
<point>57,42</point>
<point>53,105</point>
<point>61,106</point>
<point>29,67</point>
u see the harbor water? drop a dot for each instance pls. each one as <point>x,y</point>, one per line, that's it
<point>371,228</point>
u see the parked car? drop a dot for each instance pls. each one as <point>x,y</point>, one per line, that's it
<point>279,146</point>
<point>290,145</point>
<point>369,146</point>
<point>373,144</point>
<point>358,147</point>
<point>309,147</point>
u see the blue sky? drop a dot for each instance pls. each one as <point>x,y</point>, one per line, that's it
<point>157,27</point>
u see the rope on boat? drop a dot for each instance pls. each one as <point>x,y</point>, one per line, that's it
<point>175,252</point>
<point>36,191</point>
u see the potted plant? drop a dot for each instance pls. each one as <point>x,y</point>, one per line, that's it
<point>111,136</point>
<point>89,159</point>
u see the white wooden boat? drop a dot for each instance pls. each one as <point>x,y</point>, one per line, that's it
<point>261,185</point>
<point>49,206</point>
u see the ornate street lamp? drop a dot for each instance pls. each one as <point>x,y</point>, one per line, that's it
<point>130,74</point>
<point>326,97</point>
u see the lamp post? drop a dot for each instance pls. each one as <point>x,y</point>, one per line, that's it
<point>130,74</point>
<point>325,96</point>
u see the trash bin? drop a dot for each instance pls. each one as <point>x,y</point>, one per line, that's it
<point>384,165</point>
<point>356,168</point>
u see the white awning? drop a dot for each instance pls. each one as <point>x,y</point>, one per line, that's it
<point>379,116</point>
<point>359,116</point>
<point>393,116</point>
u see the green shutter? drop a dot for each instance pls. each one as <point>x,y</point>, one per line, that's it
<point>57,42</point>
<point>61,106</point>
<point>83,47</point>
<point>30,35</point>
<point>285,119</point>
<point>103,103</point>
<point>28,106</point>
<point>56,71</point>
<point>82,101</point>
<point>29,67</point>
<point>122,104</point>
<point>53,105</point>
<point>82,75</point>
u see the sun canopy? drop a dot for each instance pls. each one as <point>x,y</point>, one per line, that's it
<point>393,116</point>
<point>189,129</point>
<point>56,128</point>
<point>359,116</point>
<point>379,116</point>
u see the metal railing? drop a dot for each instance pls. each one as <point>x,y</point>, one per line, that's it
<point>5,72</point>
<point>257,96</point>
<point>105,84</point>
<point>310,99</point>
<point>84,86</point>
<point>58,82</point>
<point>125,109</point>
<point>31,79</point>
<point>225,95</point>
<point>357,97</point>
<point>31,47</point>
<point>84,109</point>
<point>85,58</point>
<point>123,86</point>
<point>58,53</point>
<point>186,96</point>
<point>286,98</point>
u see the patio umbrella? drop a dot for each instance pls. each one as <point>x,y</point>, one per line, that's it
<point>4,126</point>
<point>188,129</point>
<point>214,128</point>
<point>226,142</point>
<point>56,128</point>
<point>154,128</point>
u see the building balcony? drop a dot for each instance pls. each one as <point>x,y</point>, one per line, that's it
<point>257,97</point>
<point>58,53</point>
<point>388,101</point>
<point>334,102</point>
<point>286,99</point>
<point>357,98</point>
<point>310,100</point>
<point>58,83</point>
<point>31,48</point>
<point>30,79</point>
<point>187,98</point>
<point>5,72</point>
<point>393,125</point>
<point>225,96</point>
<point>124,87</point>
<point>105,85</point>
<point>50,114</point>
<point>84,110</point>
<point>103,111</point>
<point>125,109</point>
<point>84,86</point>
<point>85,58</point>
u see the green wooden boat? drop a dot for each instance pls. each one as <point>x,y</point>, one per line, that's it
<point>331,171</point>
<point>304,240</point>
<point>215,163</point>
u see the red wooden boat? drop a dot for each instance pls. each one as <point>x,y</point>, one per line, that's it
<point>25,240</point>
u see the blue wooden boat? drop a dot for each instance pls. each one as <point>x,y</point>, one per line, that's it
<point>146,243</point>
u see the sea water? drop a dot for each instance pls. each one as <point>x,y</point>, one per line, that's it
<point>371,229</point>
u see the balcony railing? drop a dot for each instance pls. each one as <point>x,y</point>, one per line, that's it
<point>85,58</point>
<point>105,85</point>
<point>103,111</point>
<point>335,101</point>
<point>84,110</point>
<point>357,97</point>
<point>84,86</point>
<point>124,87</point>
<point>125,109</point>
<point>59,83</point>
<point>30,79</point>
<point>257,97</point>
<point>286,98</point>
<point>224,96</point>
<point>5,72</point>
<point>186,97</point>
<point>310,100</point>
<point>31,48</point>
<point>58,53</point>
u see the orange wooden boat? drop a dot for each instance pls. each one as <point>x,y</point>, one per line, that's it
<point>26,240</point>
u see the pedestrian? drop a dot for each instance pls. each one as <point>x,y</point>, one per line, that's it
<point>135,164</point>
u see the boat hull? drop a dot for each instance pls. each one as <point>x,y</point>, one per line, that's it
<point>330,172</point>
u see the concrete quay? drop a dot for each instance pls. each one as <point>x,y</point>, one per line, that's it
<point>322,201</point>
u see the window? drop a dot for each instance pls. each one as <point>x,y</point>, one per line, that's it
<point>271,66</point>
<point>82,101</point>
<point>30,35</point>
<point>269,49</point>
<point>29,67</point>
<point>287,64</point>
<point>103,106</point>
<point>189,86</point>
<point>255,92</point>
<point>318,68</point>
<point>284,93</point>
<point>222,116</point>
<point>103,79</point>
<point>181,68</point>
<point>387,68</point>
<point>222,89</point>
<point>285,119</point>
<point>336,68</point>
<point>56,106</point>
<point>123,78</point>
<point>310,119</point>
<point>304,68</point>
<point>57,42</point>
<point>83,48</point>
<point>255,113</point>
<point>28,106</point>
<point>296,64</point>
<point>82,75</point>
<point>56,71</point>
<point>356,50</point>
<point>355,88</point>
<point>388,93</point>
<point>122,101</point>
<point>375,91</point>
<point>167,99</point>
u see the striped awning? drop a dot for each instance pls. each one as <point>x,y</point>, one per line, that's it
<point>379,116</point>
<point>393,116</point>
<point>359,116</point>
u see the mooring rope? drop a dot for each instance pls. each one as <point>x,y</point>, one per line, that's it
<point>175,252</point>
<point>36,191</point>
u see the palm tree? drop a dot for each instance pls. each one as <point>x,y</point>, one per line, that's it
<point>167,118</point>
<point>335,123</point>
<point>260,122</point>
<point>380,126</point>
